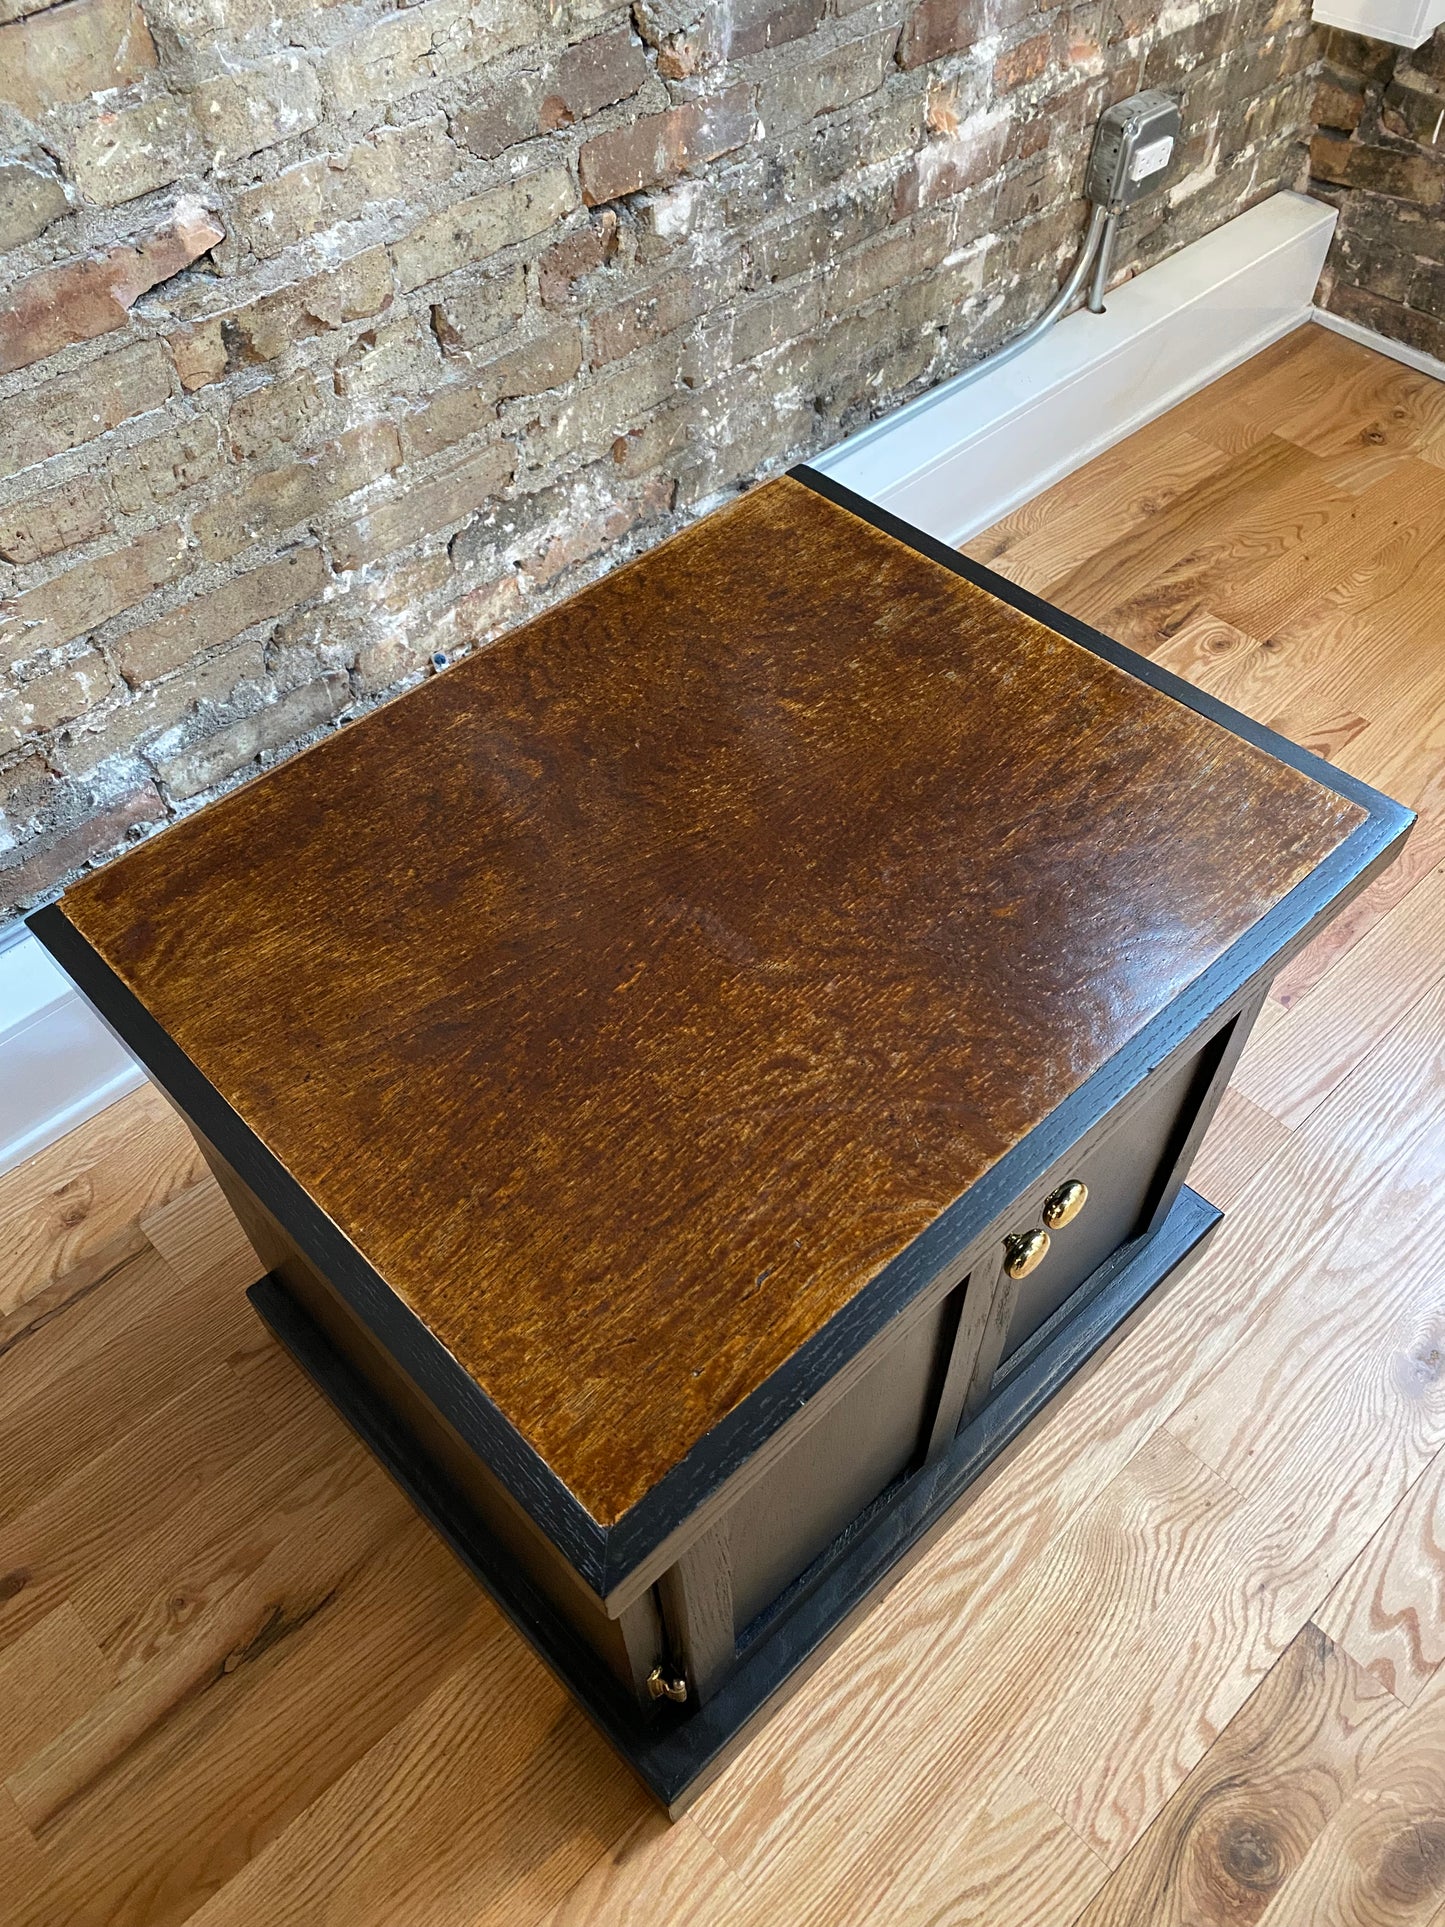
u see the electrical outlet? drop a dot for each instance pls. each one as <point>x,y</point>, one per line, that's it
<point>1133,147</point>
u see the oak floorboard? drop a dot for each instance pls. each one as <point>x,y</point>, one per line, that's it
<point>1321,1039</point>
<point>72,1213</point>
<point>1388,1609</point>
<point>1057,530</point>
<point>300,1479</point>
<point>1236,1829</point>
<point>1337,663</point>
<point>1241,408</point>
<point>74,1385</point>
<point>1144,587</point>
<point>199,1237</point>
<point>966,1857</point>
<point>1379,1859</point>
<point>660,1870</point>
<point>1239,1143</point>
<point>1351,532</point>
<point>48,1675</point>
<point>1424,851</point>
<point>111,1501</point>
<point>200,1796</point>
<point>501,1789</point>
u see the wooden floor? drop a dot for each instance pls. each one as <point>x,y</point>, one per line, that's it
<point>1181,1664</point>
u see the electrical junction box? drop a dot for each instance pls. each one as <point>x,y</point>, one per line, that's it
<point>1132,149</point>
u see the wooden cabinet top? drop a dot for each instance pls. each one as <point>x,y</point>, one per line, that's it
<point>632,993</point>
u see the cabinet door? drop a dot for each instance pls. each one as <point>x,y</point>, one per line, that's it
<point>1121,1172</point>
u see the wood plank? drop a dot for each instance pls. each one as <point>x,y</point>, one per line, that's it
<point>47,1678</point>
<point>501,1790</point>
<point>1059,529</point>
<point>210,1629</point>
<point>1363,401</point>
<point>1240,409</point>
<point>1240,1142</point>
<point>1241,1823</point>
<point>1353,1319</point>
<point>966,1856</point>
<point>71,1387</point>
<point>72,1213</point>
<point>1379,1860</point>
<point>185,1809</point>
<point>1146,586</point>
<point>1337,663</point>
<point>1424,851</point>
<point>198,1236</point>
<point>22,1866</point>
<point>105,1506</point>
<point>659,1870</point>
<point>1352,531</point>
<point>286,1488</point>
<point>1321,1039</point>
<point>1388,1609</point>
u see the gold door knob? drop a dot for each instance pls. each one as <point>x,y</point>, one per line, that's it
<point>1064,1205</point>
<point>1025,1253</point>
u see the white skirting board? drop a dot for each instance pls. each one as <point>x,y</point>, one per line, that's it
<point>967,452</point>
<point>1415,358</point>
<point>59,1064</point>
<point>952,462</point>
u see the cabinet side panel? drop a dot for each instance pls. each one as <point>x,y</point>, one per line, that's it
<point>631,1645</point>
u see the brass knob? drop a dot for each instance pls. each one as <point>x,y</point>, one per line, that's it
<point>1064,1205</point>
<point>1026,1252</point>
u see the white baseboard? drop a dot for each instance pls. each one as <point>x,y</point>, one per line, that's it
<point>951,462</point>
<point>59,1064</point>
<point>1415,358</point>
<point>967,452</point>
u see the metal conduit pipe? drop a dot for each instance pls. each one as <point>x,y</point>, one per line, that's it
<point>1057,308</point>
<point>1103,263</point>
<point>1133,146</point>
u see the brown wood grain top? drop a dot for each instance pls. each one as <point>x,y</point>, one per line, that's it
<point>636,990</point>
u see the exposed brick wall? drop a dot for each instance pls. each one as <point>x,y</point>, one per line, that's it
<point>1379,157</point>
<point>339,337</point>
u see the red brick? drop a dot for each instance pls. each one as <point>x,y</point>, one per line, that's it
<point>75,408</point>
<point>297,713</point>
<point>47,701</point>
<point>592,75</point>
<point>350,291</point>
<point>1023,63</point>
<point>82,598</point>
<point>938,27</point>
<point>659,148</point>
<point>91,297</point>
<point>28,875</point>
<point>69,52</point>
<point>159,647</point>
<point>425,509</point>
<point>279,499</point>
<point>581,254</point>
<point>199,354</point>
<point>773,24</point>
<point>44,524</point>
<point>588,538</point>
<point>647,315</point>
